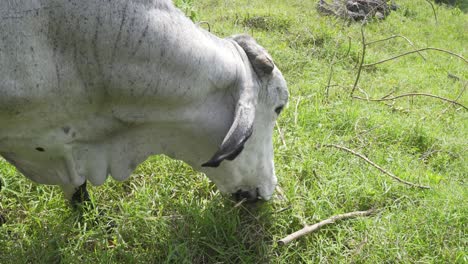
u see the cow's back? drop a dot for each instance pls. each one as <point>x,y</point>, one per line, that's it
<point>40,85</point>
<point>26,64</point>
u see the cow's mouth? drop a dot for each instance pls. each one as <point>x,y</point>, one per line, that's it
<point>250,196</point>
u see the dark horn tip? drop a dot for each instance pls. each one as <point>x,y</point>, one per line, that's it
<point>212,163</point>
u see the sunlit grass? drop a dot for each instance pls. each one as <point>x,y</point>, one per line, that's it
<point>168,213</point>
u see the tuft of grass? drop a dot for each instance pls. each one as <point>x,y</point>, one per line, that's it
<point>168,213</point>
<point>187,6</point>
<point>266,22</point>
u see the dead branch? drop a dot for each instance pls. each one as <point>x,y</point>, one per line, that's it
<point>281,195</point>
<point>330,75</point>
<point>289,207</point>
<point>240,202</point>
<point>349,47</point>
<point>396,36</point>
<point>414,51</point>
<point>359,248</point>
<point>332,63</point>
<point>204,23</point>
<point>453,76</point>
<point>462,91</point>
<point>314,172</point>
<point>281,134</point>
<point>363,55</point>
<point>376,166</point>
<point>457,98</point>
<point>390,93</point>
<point>2,220</point>
<point>433,10</point>
<point>296,113</point>
<point>411,95</point>
<point>311,228</point>
<point>387,98</point>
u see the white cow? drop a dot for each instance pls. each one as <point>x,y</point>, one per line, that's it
<point>91,88</point>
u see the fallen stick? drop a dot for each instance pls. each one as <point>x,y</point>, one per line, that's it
<point>281,195</point>
<point>296,114</point>
<point>386,98</point>
<point>377,166</point>
<point>396,36</point>
<point>361,61</point>
<point>416,51</point>
<point>311,228</point>
<point>280,132</point>
<point>240,202</point>
<point>433,10</point>
<point>458,97</point>
<point>204,23</point>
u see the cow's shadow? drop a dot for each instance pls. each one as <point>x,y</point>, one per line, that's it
<point>218,231</point>
<point>239,233</point>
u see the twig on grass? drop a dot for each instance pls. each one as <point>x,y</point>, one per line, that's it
<point>311,228</point>
<point>456,99</point>
<point>2,220</point>
<point>453,76</point>
<point>281,195</point>
<point>462,91</point>
<point>361,62</point>
<point>332,63</point>
<point>281,135</point>
<point>362,65</point>
<point>359,248</point>
<point>396,36</point>
<point>240,202</point>
<point>316,175</point>
<point>245,208</point>
<point>390,93</point>
<point>289,207</point>
<point>204,23</point>
<point>376,166</point>
<point>296,113</point>
<point>433,10</point>
<point>363,56</point>
<point>411,95</point>
<point>416,51</point>
<point>362,91</point>
<point>330,76</point>
<point>349,47</point>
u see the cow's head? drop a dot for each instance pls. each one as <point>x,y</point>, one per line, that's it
<point>248,146</point>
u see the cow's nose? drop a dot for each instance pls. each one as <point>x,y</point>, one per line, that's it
<point>251,196</point>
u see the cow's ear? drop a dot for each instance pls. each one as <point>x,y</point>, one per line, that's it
<point>258,56</point>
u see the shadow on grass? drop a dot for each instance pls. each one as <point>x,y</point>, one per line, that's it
<point>222,234</point>
<point>461,4</point>
<point>216,232</point>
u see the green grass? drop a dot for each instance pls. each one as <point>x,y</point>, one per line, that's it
<point>168,213</point>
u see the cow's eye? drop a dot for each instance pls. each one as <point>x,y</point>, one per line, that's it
<point>279,109</point>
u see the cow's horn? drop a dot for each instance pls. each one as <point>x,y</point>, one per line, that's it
<point>242,127</point>
<point>240,131</point>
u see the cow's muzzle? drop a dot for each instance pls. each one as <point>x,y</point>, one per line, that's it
<point>250,196</point>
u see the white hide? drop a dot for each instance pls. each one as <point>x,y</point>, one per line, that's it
<point>91,88</point>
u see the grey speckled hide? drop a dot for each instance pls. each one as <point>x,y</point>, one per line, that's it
<point>91,88</point>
